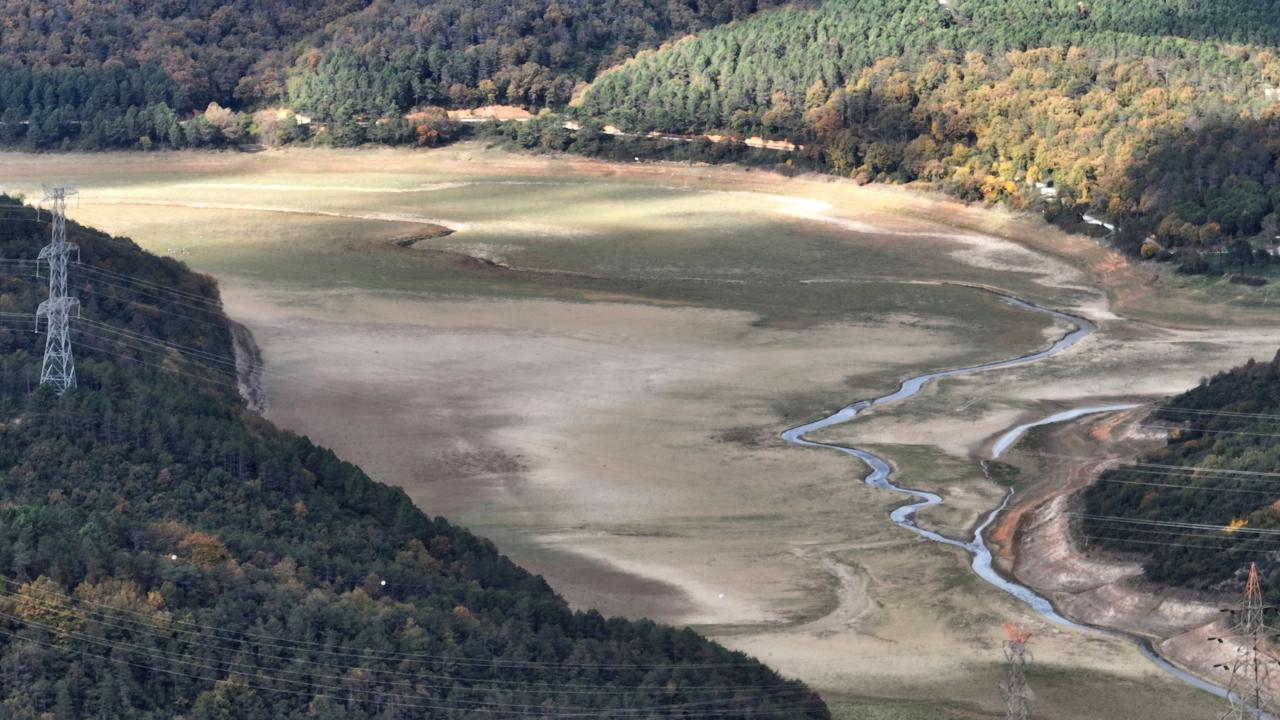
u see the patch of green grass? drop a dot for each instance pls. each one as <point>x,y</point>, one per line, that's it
<point>751,437</point>
<point>1218,289</point>
<point>299,252</point>
<point>1033,440</point>
<point>955,577</point>
<point>927,467</point>
<point>1002,473</point>
<point>854,708</point>
<point>1061,693</point>
<point>1065,692</point>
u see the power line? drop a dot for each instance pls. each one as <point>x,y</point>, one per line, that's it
<point>1171,428</point>
<point>1193,546</point>
<point>153,298</point>
<point>1170,486</point>
<point>225,360</point>
<point>1178,468</point>
<point>1218,413</point>
<point>342,650</point>
<point>279,375</point>
<point>99,289</point>
<point>760,694</point>
<point>506,685</point>
<point>1225,541</point>
<point>228,361</point>
<point>97,270</point>
<point>1176,524</point>
<point>175,371</point>
<point>583,350</point>
<point>234,385</point>
<point>399,700</point>
<point>206,355</point>
<point>110,273</point>
<point>61,602</point>
<point>200,357</point>
<point>667,472</point>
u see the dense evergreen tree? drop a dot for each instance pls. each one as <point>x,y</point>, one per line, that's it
<point>1162,116</point>
<point>1112,105</point>
<point>216,51</point>
<point>88,109</point>
<point>1201,508</point>
<point>399,54</point>
<point>164,552</point>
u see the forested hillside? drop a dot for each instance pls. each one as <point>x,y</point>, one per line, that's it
<point>1203,507</point>
<point>207,48</point>
<point>108,74</point>
<point>166,553</point>
<point>1109,103</point>
<point>399,54</point>
<point>1162,115</point>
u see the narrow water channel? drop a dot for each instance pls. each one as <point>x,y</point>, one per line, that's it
<point>981,559</point>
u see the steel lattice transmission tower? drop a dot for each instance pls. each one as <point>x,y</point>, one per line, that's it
<point>59,368</point>
<point>1248,690</point>
<point>1017,696</point>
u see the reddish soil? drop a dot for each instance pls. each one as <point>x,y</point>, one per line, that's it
<point>1034,541</point>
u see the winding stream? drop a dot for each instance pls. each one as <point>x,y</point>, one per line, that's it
<point>904,516</point>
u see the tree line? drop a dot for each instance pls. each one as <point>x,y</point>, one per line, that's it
<point>225,52</point>
<point>1051,105</point>
<point>1161,116</point>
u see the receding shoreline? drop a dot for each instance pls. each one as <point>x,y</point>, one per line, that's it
<point>607,408</point>
<point>1038,547</point>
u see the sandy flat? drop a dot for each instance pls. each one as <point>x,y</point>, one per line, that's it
<point>585,429</point>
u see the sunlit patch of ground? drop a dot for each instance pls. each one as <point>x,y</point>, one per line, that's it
<point>593,367</point>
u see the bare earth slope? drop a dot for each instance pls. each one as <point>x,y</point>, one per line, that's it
<point>1038,547</point>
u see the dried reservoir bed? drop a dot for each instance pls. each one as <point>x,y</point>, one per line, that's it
<point>590,364</point>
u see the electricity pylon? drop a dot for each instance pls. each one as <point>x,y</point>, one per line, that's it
<point>59,367</point>
<point>1248,690</point>
<point>1017,696</point>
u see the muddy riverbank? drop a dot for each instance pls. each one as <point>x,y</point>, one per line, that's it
<point>1035,543</point>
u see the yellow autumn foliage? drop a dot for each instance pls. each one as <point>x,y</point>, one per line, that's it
<point>1235,525</point>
